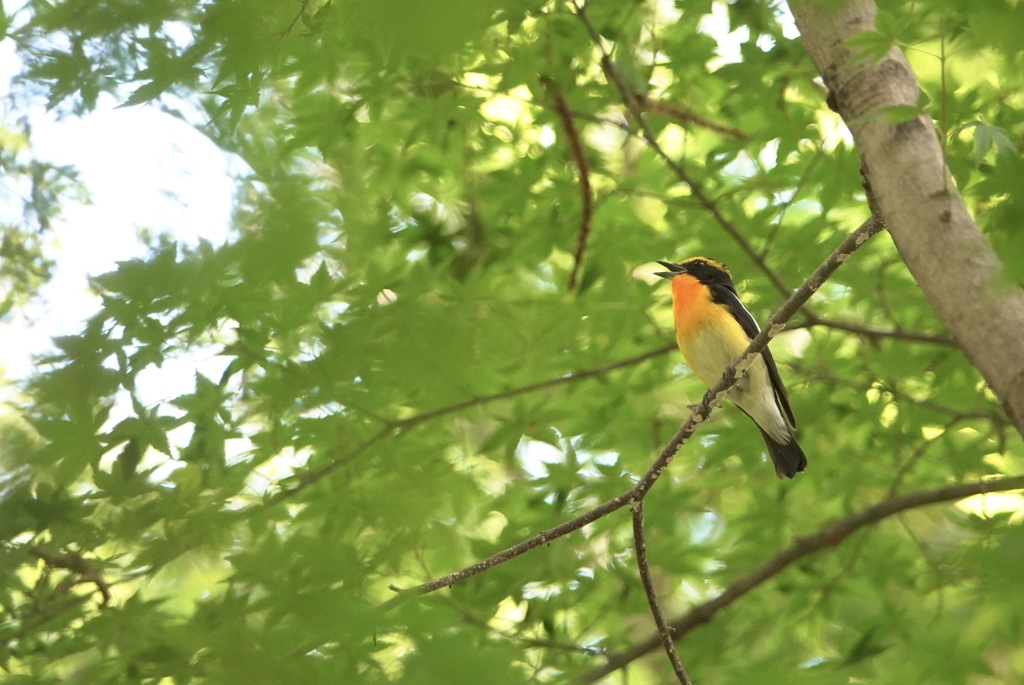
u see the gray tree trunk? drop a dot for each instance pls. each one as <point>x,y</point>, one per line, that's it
<point>958,271</point>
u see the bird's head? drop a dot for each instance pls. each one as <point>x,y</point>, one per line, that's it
<point>707,271</point>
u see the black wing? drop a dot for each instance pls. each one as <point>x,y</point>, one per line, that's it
<point>723,294</point>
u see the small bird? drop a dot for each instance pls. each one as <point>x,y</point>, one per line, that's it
<point>713,328</point>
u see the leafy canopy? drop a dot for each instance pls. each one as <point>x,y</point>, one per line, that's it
<point>404,383</point>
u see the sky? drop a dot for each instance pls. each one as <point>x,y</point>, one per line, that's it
<point>142,169</point>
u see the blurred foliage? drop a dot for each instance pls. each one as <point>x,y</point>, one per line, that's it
<point>31,193</point>
<point>395,293</point>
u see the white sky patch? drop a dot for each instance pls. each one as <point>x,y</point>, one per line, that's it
<point>533,454</point>
<point>786,21</point>
<point>546,137</point>
<point>143,170</point>
<point>995,503</point>
<point>716,25</point>
<point>511,109</point>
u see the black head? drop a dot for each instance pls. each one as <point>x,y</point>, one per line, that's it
<point>707,271</point>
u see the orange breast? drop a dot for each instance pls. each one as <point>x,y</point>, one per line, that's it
<point>708,335</point>
<point>691,305</point>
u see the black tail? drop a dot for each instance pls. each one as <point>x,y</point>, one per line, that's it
<point>788,458</point>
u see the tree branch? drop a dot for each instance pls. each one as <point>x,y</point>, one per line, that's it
<point>295,20</point>
<point>87,571</point>
<point>829,536</point>
<point>586,194</point>
<point>994,418</point>
<point>687,116</point>
<point>812,320</point>
<point>570,377</point>
<point>664,631</point>
<point>705,201</point>
<point>959,273</point>
<point>713,397</point>
<point>315,475</point>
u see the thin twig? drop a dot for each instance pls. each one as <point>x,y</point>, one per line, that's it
<point>918,453</point>
<point>686,115</point>
<point>829,536</point>
<point>309,478</point>
<point>39,616</point>
<point>579,156</point>
<point>811,373</point>
<point>629,99</point>
<point>87,571</point>
<point>833,582</point>
<point>510,553</point>
<point>664,631</point>
<point>570,377</point>
<point>774,230</point>
<point>713,397</point>
<point>812,320</point>
<point>295,19</point>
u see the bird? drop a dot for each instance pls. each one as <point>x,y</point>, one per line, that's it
<point>713,328</point>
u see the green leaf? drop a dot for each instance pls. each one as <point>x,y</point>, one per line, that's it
<point>145,93</point>
<point>377,376</point>
<point>893,114</point>
<point>869,45</point>
<point>896,114</point>
<point>987,137</point>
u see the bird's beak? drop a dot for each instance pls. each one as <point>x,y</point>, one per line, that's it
<point>673,270</point>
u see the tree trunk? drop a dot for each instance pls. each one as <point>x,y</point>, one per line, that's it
<point>954,265</point>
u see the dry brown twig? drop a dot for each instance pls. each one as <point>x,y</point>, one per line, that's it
<point>644,567</point>
<point>579,156</point>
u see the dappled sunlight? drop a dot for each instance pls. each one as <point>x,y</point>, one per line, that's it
<point>358,368</point>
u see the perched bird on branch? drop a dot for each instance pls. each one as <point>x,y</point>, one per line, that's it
<point>713,328</point>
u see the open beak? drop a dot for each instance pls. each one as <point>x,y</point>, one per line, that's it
<point>673,270</point>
